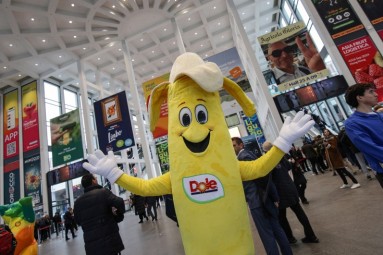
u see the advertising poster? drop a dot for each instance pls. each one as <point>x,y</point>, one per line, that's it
<point>162,123</point>
<point>374,11</point>
<point>66,138</point>
<point>292,56</point>
<point>353,42</point>
<point>231,67</point>
<point>114,127</point>
<point>30,119</point>
<point>338,17</point>
<point>32,179</point>
<point>11,125</point>
<point>11,182</point>
<point>162,152</point>
<point>254,128</point>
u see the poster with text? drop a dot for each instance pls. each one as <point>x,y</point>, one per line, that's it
<point>66,138</point>
<point>30,119</point>
<point>32,179</point>
<point>353,42</point>
<point>114,127</point>
<point>292,56</point>
<point>11,182</point>
<point>162,123</point>
<point>11,125</point>
<point>338,17</point>
<point>254,128</point>
<point>163,153</point>
<point>374,11</point>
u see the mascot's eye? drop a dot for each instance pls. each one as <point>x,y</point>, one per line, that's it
<point>201,114</point>
<point>185,116</point>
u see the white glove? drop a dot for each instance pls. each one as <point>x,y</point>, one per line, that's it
<point>292,130</point>
<point>103,165</point>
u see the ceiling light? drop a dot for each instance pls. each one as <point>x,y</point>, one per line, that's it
<point>201,45</point>
<point>98,58</point>
<point>32,19</point>
<point>60,56</point>
<point>43,40</point>
<point>36,64</point>
<point>70,22</point>
<point>72,5</point>
<point>75,36</point>
<point>142,39</point>
<point>132,59</point>
<point>113,6</point>
<point>219,23</point>
<point>244,27</point>
<point>84,48</point>
<point>19,75</point>
<point>10,45</point>
<point>165,29</point>
<point>5,67</point>
<point>119,49</point>
<point>113,68</point>
<point>215,7</point>
<point>174,42</point>
<point>107,38</point>
<point>243,13</point>
<point>162,61</point>
<point>268,2</point>
<point>189,19</point>
<point>206,55</point>
<point>195,33</point>
<point>152,51</point>
<point>223,36</point>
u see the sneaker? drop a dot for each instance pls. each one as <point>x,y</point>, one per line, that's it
<point>344,186</point>
<point>292,240</point>
<point>355,186</point>
<point>369,177</point>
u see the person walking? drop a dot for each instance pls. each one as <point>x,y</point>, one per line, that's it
<point>310,153</point>
<point>288,195</point>
<point>69,221</point>
<point>364,126</point>
<point>139,207</point>
<point>261,196</point>
<point>151,203</point>
<point>336,160</point>
<point>57,222</point>
<point>95,211</point>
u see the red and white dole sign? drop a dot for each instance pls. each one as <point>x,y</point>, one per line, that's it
<point>203,188</point>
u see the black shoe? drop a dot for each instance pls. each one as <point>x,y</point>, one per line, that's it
<point>305,202</point>
<point>147,218</point>
<point>310,240</point>
<point>140,221</point>
<point>292,240</point>
<point>66,239</point>
<point>74,236</point>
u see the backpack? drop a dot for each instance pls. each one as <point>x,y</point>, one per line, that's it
<point>7,241</point>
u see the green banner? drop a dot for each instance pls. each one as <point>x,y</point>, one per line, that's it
<point>66,138</point>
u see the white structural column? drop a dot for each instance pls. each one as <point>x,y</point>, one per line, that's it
<point>85,106</point>
<point>44,156</point>
<point>135,97</point>
<point>180,42</point>
<point>267,111</point>
<point>328,42</point>
<point>367,23</point>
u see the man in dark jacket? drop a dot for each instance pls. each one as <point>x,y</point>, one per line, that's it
<point>288,195</point>
<point>94,211</point>
<point>261,196</point>
<point>311,154</point>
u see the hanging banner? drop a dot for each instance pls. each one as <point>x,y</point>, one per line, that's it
<point>374,11</point>
<point>66,138</point>
<point>30,119</point>
<point>66,173</point>
<point>353,42</point>
<point>162,152</point>
<point>162,123</point>
<point>11,182</point>
<point>11,125</point>
<point>284,49</point>
<point>32,179</point>
<point>254,128</point>
<point>114,127</point>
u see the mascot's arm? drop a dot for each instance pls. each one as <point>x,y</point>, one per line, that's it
<point>262,166</point>
<point>153,187</point>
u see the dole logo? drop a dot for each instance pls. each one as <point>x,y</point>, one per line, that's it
<point>203,188</point>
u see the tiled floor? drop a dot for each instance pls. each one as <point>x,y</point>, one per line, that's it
<point>346,221</point>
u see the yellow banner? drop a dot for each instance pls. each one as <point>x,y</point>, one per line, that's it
<point>310,78</point>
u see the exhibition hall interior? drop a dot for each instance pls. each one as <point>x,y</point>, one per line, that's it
<point>78,76</point>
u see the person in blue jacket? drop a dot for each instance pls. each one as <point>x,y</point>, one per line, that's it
<point>364,126</point>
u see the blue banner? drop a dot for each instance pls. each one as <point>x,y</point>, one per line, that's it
<point>114,130</point>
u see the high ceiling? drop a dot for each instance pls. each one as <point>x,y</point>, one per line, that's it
<point>48,38</point>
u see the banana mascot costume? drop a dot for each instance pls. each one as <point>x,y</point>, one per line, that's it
<point>205,177</point>
<point>20,218</point>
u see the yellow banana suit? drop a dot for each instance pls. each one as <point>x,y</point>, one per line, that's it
<point>205,177</point>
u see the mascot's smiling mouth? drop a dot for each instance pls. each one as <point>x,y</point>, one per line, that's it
<point>198,147</point>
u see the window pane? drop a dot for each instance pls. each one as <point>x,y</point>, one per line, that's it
<point>70,99</point>
<point>52,92</point>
